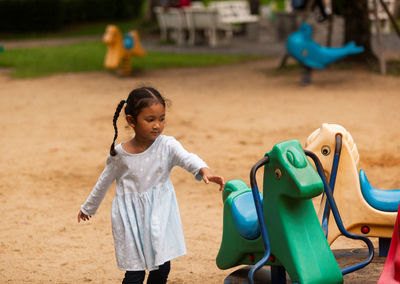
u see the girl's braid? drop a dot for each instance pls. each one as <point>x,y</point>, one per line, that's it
<point>116,115</point>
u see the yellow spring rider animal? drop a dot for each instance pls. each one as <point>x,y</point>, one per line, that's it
<point>121,48</point>
<point>364,209</point>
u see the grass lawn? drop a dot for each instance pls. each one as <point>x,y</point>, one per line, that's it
<point>89,56</point>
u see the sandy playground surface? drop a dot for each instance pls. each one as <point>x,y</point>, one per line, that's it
<point>56,133</point>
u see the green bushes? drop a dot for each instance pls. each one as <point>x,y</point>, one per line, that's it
<point>51,15</point>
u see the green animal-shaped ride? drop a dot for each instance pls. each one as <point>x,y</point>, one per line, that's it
<point>296,239</point>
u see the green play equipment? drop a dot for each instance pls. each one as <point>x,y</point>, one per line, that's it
<point>297,242</point>
<point>237,248</point>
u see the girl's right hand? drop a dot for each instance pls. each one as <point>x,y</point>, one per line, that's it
<point>82,216</point>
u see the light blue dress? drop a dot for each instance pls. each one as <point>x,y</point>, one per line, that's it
<point>146,224</point>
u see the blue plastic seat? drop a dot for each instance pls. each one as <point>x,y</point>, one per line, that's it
<point>245,216</point>
<point>128,41</point>
<point>381,199</point>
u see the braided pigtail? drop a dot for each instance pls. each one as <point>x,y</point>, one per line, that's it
<point>116,115</point>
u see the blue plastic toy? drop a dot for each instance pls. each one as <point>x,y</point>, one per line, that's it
<point>303,48</point>
<point>380,199</point>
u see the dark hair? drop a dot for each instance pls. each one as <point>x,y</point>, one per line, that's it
<point>137,100</point>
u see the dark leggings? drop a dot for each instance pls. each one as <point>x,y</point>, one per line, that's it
<point>158,276</point>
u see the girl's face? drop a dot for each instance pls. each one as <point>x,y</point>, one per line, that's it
<point>149,123</point>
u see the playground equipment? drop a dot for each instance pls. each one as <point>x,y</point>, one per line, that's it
<point>364,209</point>
<point>391,270</point>
<point>301,46</point>
<point>294,239</point>
<point>121,48</point>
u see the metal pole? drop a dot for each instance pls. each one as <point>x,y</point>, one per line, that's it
<point>382,62</point>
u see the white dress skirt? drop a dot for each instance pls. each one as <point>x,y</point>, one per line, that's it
<point>146,223</point>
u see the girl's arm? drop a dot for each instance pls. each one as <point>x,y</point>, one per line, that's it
<point>208,176</point>
<point>104,182</point>
<point>193,163</point>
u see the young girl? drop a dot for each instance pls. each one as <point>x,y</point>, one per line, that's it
<point>146,224</point>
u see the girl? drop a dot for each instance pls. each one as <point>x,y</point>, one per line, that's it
<point>146,224</point>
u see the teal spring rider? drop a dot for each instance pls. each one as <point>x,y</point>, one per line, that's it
<point>310,54</point>
<point>280,227</point>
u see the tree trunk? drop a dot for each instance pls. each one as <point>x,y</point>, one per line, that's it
<point>357,28</point>
<point>254,7</point>
<point>149,7</point>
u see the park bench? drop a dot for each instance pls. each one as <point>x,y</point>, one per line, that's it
<point>172,24</point>
<point>206,21</point>
<point>233,12</point>
<point>216,21</point>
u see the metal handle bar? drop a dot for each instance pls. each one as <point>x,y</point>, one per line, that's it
<point>338,219</point>
<point>332,181</point>
<point>260,215</point>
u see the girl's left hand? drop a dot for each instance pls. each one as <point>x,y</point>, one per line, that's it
<point>208,176</point>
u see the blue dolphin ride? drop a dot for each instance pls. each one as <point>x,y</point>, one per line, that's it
<point>302,47</point>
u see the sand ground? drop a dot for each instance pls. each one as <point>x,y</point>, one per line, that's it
<point>57,131</point>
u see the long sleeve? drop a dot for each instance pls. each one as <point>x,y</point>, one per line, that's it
<point>104,182</point>
<point>189,161</point>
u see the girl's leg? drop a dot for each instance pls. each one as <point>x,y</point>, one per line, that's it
<point>134,277</point>
<point>160,275</point>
